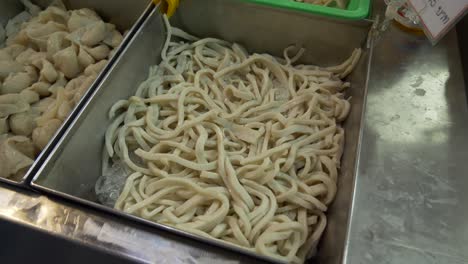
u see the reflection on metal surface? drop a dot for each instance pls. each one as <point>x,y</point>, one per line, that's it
<point>410,200</point>
<point>413,110</point>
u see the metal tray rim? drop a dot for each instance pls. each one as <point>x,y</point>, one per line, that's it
<point>370,47</point>
<point>67,238</point>
<point>367,47</point>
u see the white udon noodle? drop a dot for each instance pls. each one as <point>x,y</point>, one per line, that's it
<point>230,146</point>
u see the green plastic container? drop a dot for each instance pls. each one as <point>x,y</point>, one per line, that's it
<point>357,9</point>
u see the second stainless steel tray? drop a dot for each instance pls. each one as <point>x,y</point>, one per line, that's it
<point>74,165</point>
<point>125,15</point>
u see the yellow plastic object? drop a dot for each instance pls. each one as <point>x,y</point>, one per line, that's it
<point>167,6</point>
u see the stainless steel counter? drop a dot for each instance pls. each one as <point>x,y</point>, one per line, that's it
<point>410,199</point>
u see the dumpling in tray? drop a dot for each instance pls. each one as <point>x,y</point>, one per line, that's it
<point>17,154</point>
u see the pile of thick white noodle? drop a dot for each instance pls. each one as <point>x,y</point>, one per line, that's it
<point>231,146</point>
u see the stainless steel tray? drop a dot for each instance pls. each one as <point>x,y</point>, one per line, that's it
<point>126,15</point>
<point>75,163</point>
